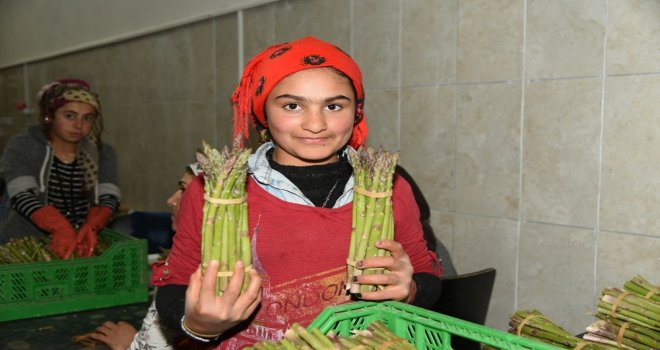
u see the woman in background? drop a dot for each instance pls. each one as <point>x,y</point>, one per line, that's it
<point>61,178</point>
<point>153,334</point>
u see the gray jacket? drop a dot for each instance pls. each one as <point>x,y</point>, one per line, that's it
<point>26,164</point>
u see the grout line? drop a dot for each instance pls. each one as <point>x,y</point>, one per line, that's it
<point>241,47</point>
<point>457,22</point>
<point>26,89</point>
<point>399,78</point>
<point>351,16</point>
<point>214,74</point>
<point>600,151</point>
<point>521,157</point>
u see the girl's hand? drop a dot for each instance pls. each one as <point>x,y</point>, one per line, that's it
<point>398,282</point>
<point>208,313</point>
<point>115,335</point>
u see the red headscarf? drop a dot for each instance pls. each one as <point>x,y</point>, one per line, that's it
<point>273,64</point>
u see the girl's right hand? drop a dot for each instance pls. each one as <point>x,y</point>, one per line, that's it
<point>208,313</point>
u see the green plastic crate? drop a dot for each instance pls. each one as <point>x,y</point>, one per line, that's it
<point>425,329</point>
<point>117,277</point>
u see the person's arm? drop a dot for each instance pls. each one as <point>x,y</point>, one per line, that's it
<point>205,315</point>
<point>410,234</point>
<point>173,275</point>
<point>427,290</point>
<point>19,166</point>
<point>108,191</point>
<point>48,219</point>
<point>413,270</point>
<point>25,203</point>
<point>171,303</point>
<point>108,202</point>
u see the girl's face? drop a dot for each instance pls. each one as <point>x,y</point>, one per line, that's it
<point>173,201</point>
<point>72,122</point>
<point>310,116</point>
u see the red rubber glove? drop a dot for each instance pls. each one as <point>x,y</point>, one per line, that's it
<point>97,217</point>
<point>63,241</point>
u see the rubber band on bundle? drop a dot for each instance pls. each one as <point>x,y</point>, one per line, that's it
<point>231,273</point>
<point>224,200</point>
<point>527,319</point>
<point>619,335</point>
<point>386,344</point>
<point>651,293</point>
<point>616,302</point>
<point>368,193</point>
<point>581,345</point>
<point>205,265</point>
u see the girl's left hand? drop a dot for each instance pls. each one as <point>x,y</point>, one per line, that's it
<point>398,282</point>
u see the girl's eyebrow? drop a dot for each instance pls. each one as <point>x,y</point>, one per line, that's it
<point>304,99</point>
<point>71,111</point>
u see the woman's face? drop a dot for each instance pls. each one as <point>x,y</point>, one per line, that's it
<point>72,122</point>
<point>173,201</point>
<point>310,116</point>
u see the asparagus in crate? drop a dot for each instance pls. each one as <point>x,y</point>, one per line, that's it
<point>225,223</point>
<point>533,324</point>
<point>26,250</point>
<point>376,336</point>
<point>372,209</point>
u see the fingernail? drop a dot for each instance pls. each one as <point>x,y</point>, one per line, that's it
<point>358,264</point>
<point>239,264</point>
<point>214,262</point>
<point>378,243</point>
<point>354,279</point>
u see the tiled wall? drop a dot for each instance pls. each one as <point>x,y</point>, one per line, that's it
<point>533,126</point>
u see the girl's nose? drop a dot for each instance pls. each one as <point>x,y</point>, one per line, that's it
<point>78,123</point>
<point>314,121</point>
<point>174,199</point>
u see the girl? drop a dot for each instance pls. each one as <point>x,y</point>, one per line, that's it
<point>61,179</point>
<point>307,97</point>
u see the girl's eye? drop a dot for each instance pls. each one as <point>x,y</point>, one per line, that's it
<point>89,118</point>
<point>69,116</point>
<point>334,107</point>
<point>291,106</point>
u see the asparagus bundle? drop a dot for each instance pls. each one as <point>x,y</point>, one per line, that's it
<point>376,336</point>
<point>26,250</point>
<point>533,324</point>
<point>628,318</point>
<point>372,209</point>
<point>37,249</point>
<point>630,308</point>
<point>629,336</point>
<point>225,223</point>
<point>640,286</point>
